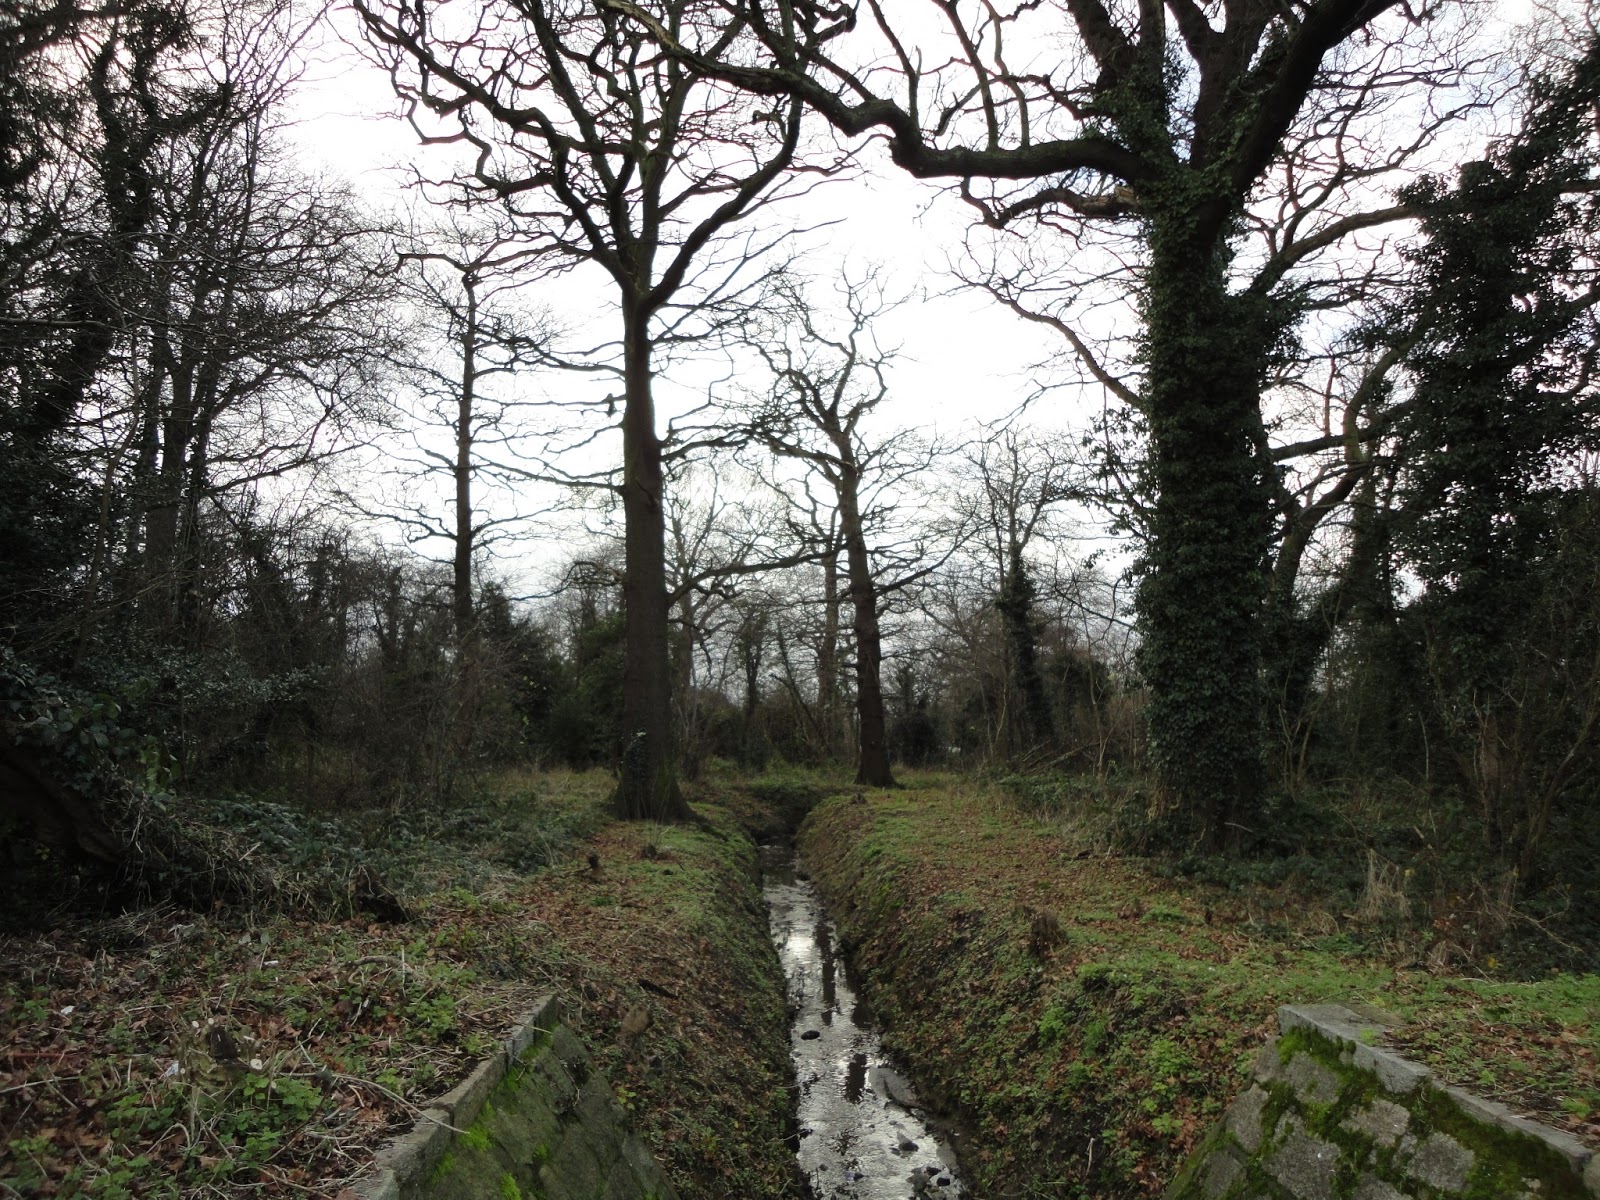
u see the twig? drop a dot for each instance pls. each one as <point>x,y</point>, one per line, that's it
<point>39,1083</point>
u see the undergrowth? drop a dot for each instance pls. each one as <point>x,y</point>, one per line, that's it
<point>160,1050</point>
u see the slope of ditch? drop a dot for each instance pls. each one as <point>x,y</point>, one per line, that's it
<point>1088,1020</point>
<point>171,1053</point>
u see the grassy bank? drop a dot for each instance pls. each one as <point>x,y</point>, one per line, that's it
<point>163,1052</point>
<point>1089,1018</point>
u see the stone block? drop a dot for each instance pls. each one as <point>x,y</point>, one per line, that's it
<point>1384,1122</point>
<point>1373,1188</point>
<point>555,1119</point>
<point>1441,1162</point>
<point>1268,1066</point>
<point>1305,1166</point>
<point>645,1167</point>
<point>381,1186</point>
<point>1223,1174</point>
<point>575,1169</point>
<point>464,1101</point>
<point>623,1185</point>
<point>540,1021</point>
<point>417,1152</point>
<point>1313,1083</point>
<point>1376,1015</point>
<point>1344,1028</point>
<point>1591,1175</point>
<point>1244,1118</point>
<point>1397,1075</point>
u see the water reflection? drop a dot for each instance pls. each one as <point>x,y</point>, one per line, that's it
<point>855,1079</point>
<point>863,1135</point>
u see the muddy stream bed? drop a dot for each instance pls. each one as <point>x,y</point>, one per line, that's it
<point>863,1133</point>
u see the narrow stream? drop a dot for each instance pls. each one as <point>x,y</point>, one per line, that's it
<point>863,1135</point>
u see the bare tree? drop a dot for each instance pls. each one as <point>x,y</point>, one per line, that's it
<point>259,310</point>
<point>466,283</point>
<point>827,384</point>
<point>1017,481</point>
<point>610,153</point>
<point>720,549</point>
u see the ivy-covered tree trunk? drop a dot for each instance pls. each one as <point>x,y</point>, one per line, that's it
<point>648,785</point>
<point>1205,571</point>
<point>1015,604</point>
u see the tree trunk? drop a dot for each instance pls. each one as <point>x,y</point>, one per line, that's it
<point>648,787</point>
<point>872,765</point>
<point>828,654</point>
<point>461,583</point>
<point>1205,571</point>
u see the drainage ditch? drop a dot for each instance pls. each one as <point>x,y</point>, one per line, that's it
<point>863,1133</point>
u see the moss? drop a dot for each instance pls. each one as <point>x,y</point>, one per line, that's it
<point>1503,1158</point>
<point>442,1168</point>
<point>1504,1161</point>
<point>477,1137</point>
<point>509,1189</point>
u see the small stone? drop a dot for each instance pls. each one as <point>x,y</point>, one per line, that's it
<point>1244,1118</point>
<point>906,1145</point>
<point>1306,1166</point>
<point>810,1035</point>
<point>1441,1162</point>
<point>1223,1173</point>
<point>1268,1066</point>
<point>1383,1122</point>
<point>1372,1188</point>
<point>943,1181</point>
<point>1313,1083</point>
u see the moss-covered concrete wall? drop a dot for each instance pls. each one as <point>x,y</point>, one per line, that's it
<point>534,1122</point>
<point>1333,1115</point>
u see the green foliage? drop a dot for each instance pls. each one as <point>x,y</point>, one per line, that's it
<point>582,728</point>
<point>1499,333</point>
<point>82,732</point>
<point>1492,670</point>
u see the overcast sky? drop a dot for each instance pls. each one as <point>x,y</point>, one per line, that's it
<point>963,359</point>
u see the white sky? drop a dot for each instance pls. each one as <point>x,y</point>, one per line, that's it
<point>962,358</point>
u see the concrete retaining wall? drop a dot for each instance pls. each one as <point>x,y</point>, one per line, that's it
<point>533,1122</point>
<point>1334,1115</point>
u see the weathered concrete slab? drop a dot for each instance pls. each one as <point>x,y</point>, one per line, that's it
<point>532,1119</point>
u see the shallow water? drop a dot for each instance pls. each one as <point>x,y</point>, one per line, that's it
<point>863,1135</point>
